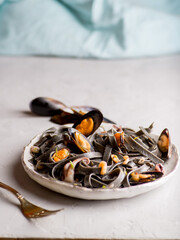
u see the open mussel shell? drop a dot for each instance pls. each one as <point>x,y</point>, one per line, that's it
<point>45,106</point>
<point>154,176</point>
<point>59,112</point>
<point>80,140</point>
<point>65,117</point>
<point>164,143</point>
<point>89,123</point>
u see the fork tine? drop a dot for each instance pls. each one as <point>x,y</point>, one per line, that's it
<point>42,213</point>
<point>32,211</point>
<point>39,212</point>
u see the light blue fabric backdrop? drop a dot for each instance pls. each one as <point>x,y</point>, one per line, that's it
<point>90,28</point>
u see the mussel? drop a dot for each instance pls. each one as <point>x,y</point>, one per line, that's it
<point>164,143</point>
<point>138,178</point>
<point>45,106</point>
<point>119,136</point>
<point>59,155</point>
<point>58,111</point>
<point>89,123</point>
<point>71,114</point>
<point>80,140</point>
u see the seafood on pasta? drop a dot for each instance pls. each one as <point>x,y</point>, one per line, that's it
<point>88,155</point>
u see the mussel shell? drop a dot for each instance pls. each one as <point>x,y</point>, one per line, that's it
<point>155,176</point>
<point>72,133</point>
<point>65,117</point>
<point>45,106</point>
<point>96,116</point>
<point>166,149</point>
<point>59,112</point>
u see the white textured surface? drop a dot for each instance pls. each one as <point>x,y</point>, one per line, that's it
<point>133,93</point>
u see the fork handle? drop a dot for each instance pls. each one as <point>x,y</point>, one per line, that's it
<point>15,192</point>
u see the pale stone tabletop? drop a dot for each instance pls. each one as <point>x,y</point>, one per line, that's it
<point>131,92</point>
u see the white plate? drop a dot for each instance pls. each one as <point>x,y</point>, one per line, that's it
<point>69,189</point>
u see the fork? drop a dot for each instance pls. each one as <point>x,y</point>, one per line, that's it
<point>28,209</point>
